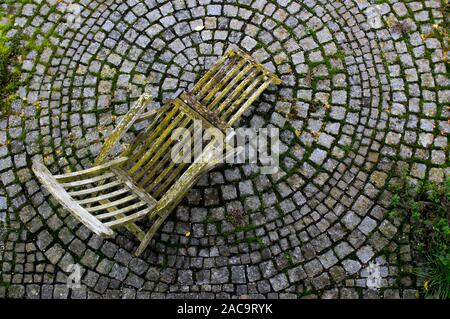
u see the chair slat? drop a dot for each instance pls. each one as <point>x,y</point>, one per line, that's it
<point>227,112</point>
<point>173,173</point>
<point>103,196</point>
<point>46,178</point>
<point>152,113</point>
<point>273,78</point>
<point>122,211</point>
<point>208,74</point>
<point>166,130</point>
<point>128,219</point>
<point>94,189</point>
<point>247,104</point>
<point>155,170</point>
<point>160,163</point>
<point>153,132</point>
<point>131,227</point>
<point>236,91</point>
<point>230,85</point>
<point>87,181</point>
<point>98,169</point>
<point>222,83</point>
<point>171,165</point>
<point>161,150</point>
<point>112,204</point>
<point>215,79</point>
<point>128,181</point>
<point>130,150</point>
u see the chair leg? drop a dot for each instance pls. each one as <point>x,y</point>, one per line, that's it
<point>164,211</point>
<point>149,235</point>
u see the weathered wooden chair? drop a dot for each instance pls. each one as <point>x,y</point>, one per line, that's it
<point>146,181</point>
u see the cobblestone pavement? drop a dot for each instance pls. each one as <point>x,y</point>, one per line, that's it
<point>359,100</point>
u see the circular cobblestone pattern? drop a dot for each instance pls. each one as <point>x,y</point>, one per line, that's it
<point>360,100</point>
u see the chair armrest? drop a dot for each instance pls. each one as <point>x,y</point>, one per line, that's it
<point>149,114</point>
<point>210,158</point>
<point>126,122</point>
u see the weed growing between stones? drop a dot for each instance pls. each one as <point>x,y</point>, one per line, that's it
<point>3,234</point>
<point>441,33</point>
<point>428,207</point>
<point>15,45</point>
<point>9,67</point>
<point>400,27</point>
<point>237,217</point>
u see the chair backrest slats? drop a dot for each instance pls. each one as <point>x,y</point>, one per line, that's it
<point>243,93</point>
<point>215,79</point>
<point>234,92</point>
<point>223,93</point>
<point>200,83</point>
<point>227,91</point>
<point>243,107</point>
<point>223,81</point>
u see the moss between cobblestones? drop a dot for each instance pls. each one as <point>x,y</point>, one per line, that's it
<point>431,232</point>
<point>9,69</point>
<point>13,49</point>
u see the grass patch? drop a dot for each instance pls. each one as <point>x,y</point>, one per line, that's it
<point>15,45</point>
<point>10,60</point>
<point>428,207</point>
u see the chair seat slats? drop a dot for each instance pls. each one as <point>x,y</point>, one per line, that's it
<point>130,151</point>
<point>90,171</point>
<point>112,204</point>
<point>166,130</point>
<point>129,218</point>
<point>88,181</point>
<point>162,149</point>
<point>104,196</point>
<point>120,211</point>
<point>94,189</point>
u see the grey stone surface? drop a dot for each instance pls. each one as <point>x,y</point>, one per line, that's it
<point>355,103</point>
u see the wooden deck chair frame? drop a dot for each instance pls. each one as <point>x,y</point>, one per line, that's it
<point>122,191</point>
